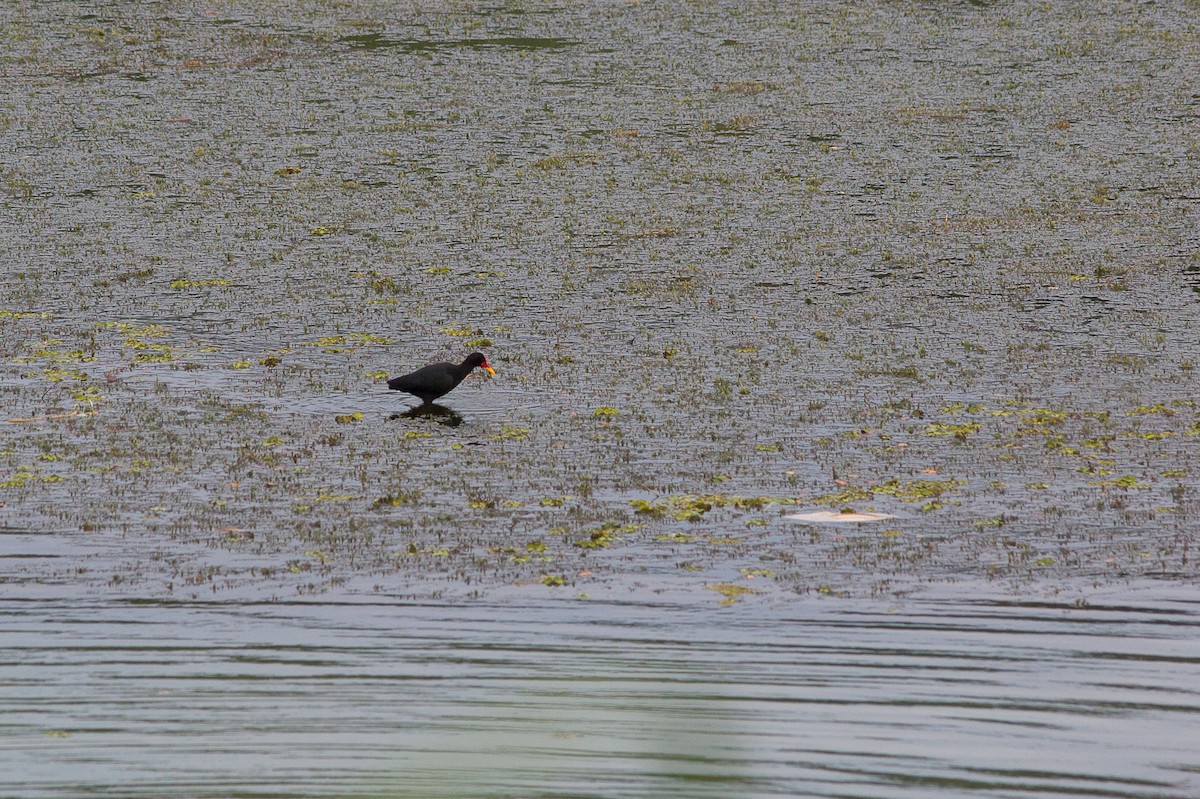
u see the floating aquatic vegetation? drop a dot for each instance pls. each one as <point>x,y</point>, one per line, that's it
<point>605,535</point>
<point>1128,481</point>
<point>846,496</point>
<point>436,552</point>
<point>556,162</point>
<point>8,314</point>
<point>691,507</point>
<point>395,500</point>
<point>57,375</point>
<point>962,407</point>
<point>676,538</point>
<point>182,283</point>
<point>731,591</point>
<point>368,339</point>
<point>1146,410</point>
<point>917,490</point>
<point>26,475</point>
<point>959,431</point>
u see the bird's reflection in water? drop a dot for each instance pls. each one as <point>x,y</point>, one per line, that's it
<point>438,413</point>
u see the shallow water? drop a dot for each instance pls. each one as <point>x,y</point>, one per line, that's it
<point>936,262</point>
<point>731,261</point>
<point>989,698</point>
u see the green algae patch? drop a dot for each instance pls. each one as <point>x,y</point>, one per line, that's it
<point>1128,481</point>
<point>511,433</point>
<point>1147,410</point>
<point>730,591</point>
<point>917,490</point>
<point>27,476</point>
<point>959,431</point>
<point>605,535</point>
<point>146,341</point>
<point>370,339</point>
<point>183,283</point>
<point>844,497</point>
<point>414,551</point>
<point>57,375</point>
<point>676,538</point>
<point>8,314</point>
<point>911,491</point>
<point>47,352</point>
<point>692,507</point>
<point>647,508</point>
<point>963,407</point>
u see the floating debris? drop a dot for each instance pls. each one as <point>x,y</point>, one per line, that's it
<point>844,516</point>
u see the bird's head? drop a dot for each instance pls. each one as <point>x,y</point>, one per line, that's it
<point>480,360</point>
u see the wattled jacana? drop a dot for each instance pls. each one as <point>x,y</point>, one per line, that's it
<point>431,382</point>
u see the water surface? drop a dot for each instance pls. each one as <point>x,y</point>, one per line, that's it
<point>376,697</point>
<point>731,260</point>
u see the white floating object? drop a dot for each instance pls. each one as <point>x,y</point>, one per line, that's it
<point>834,516</point>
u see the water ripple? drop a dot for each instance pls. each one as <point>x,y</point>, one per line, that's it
<point>597,699</point>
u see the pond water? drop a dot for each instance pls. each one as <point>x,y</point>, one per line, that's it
<point>822,698</point>
<point>732,262</point>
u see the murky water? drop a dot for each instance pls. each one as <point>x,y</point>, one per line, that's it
<point>731,260</point>
<point>600,699</point>
<point>727,258</point>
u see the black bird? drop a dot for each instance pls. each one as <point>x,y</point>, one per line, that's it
<point>431,382</point>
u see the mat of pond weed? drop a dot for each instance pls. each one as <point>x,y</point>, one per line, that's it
<point>731,262</point>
